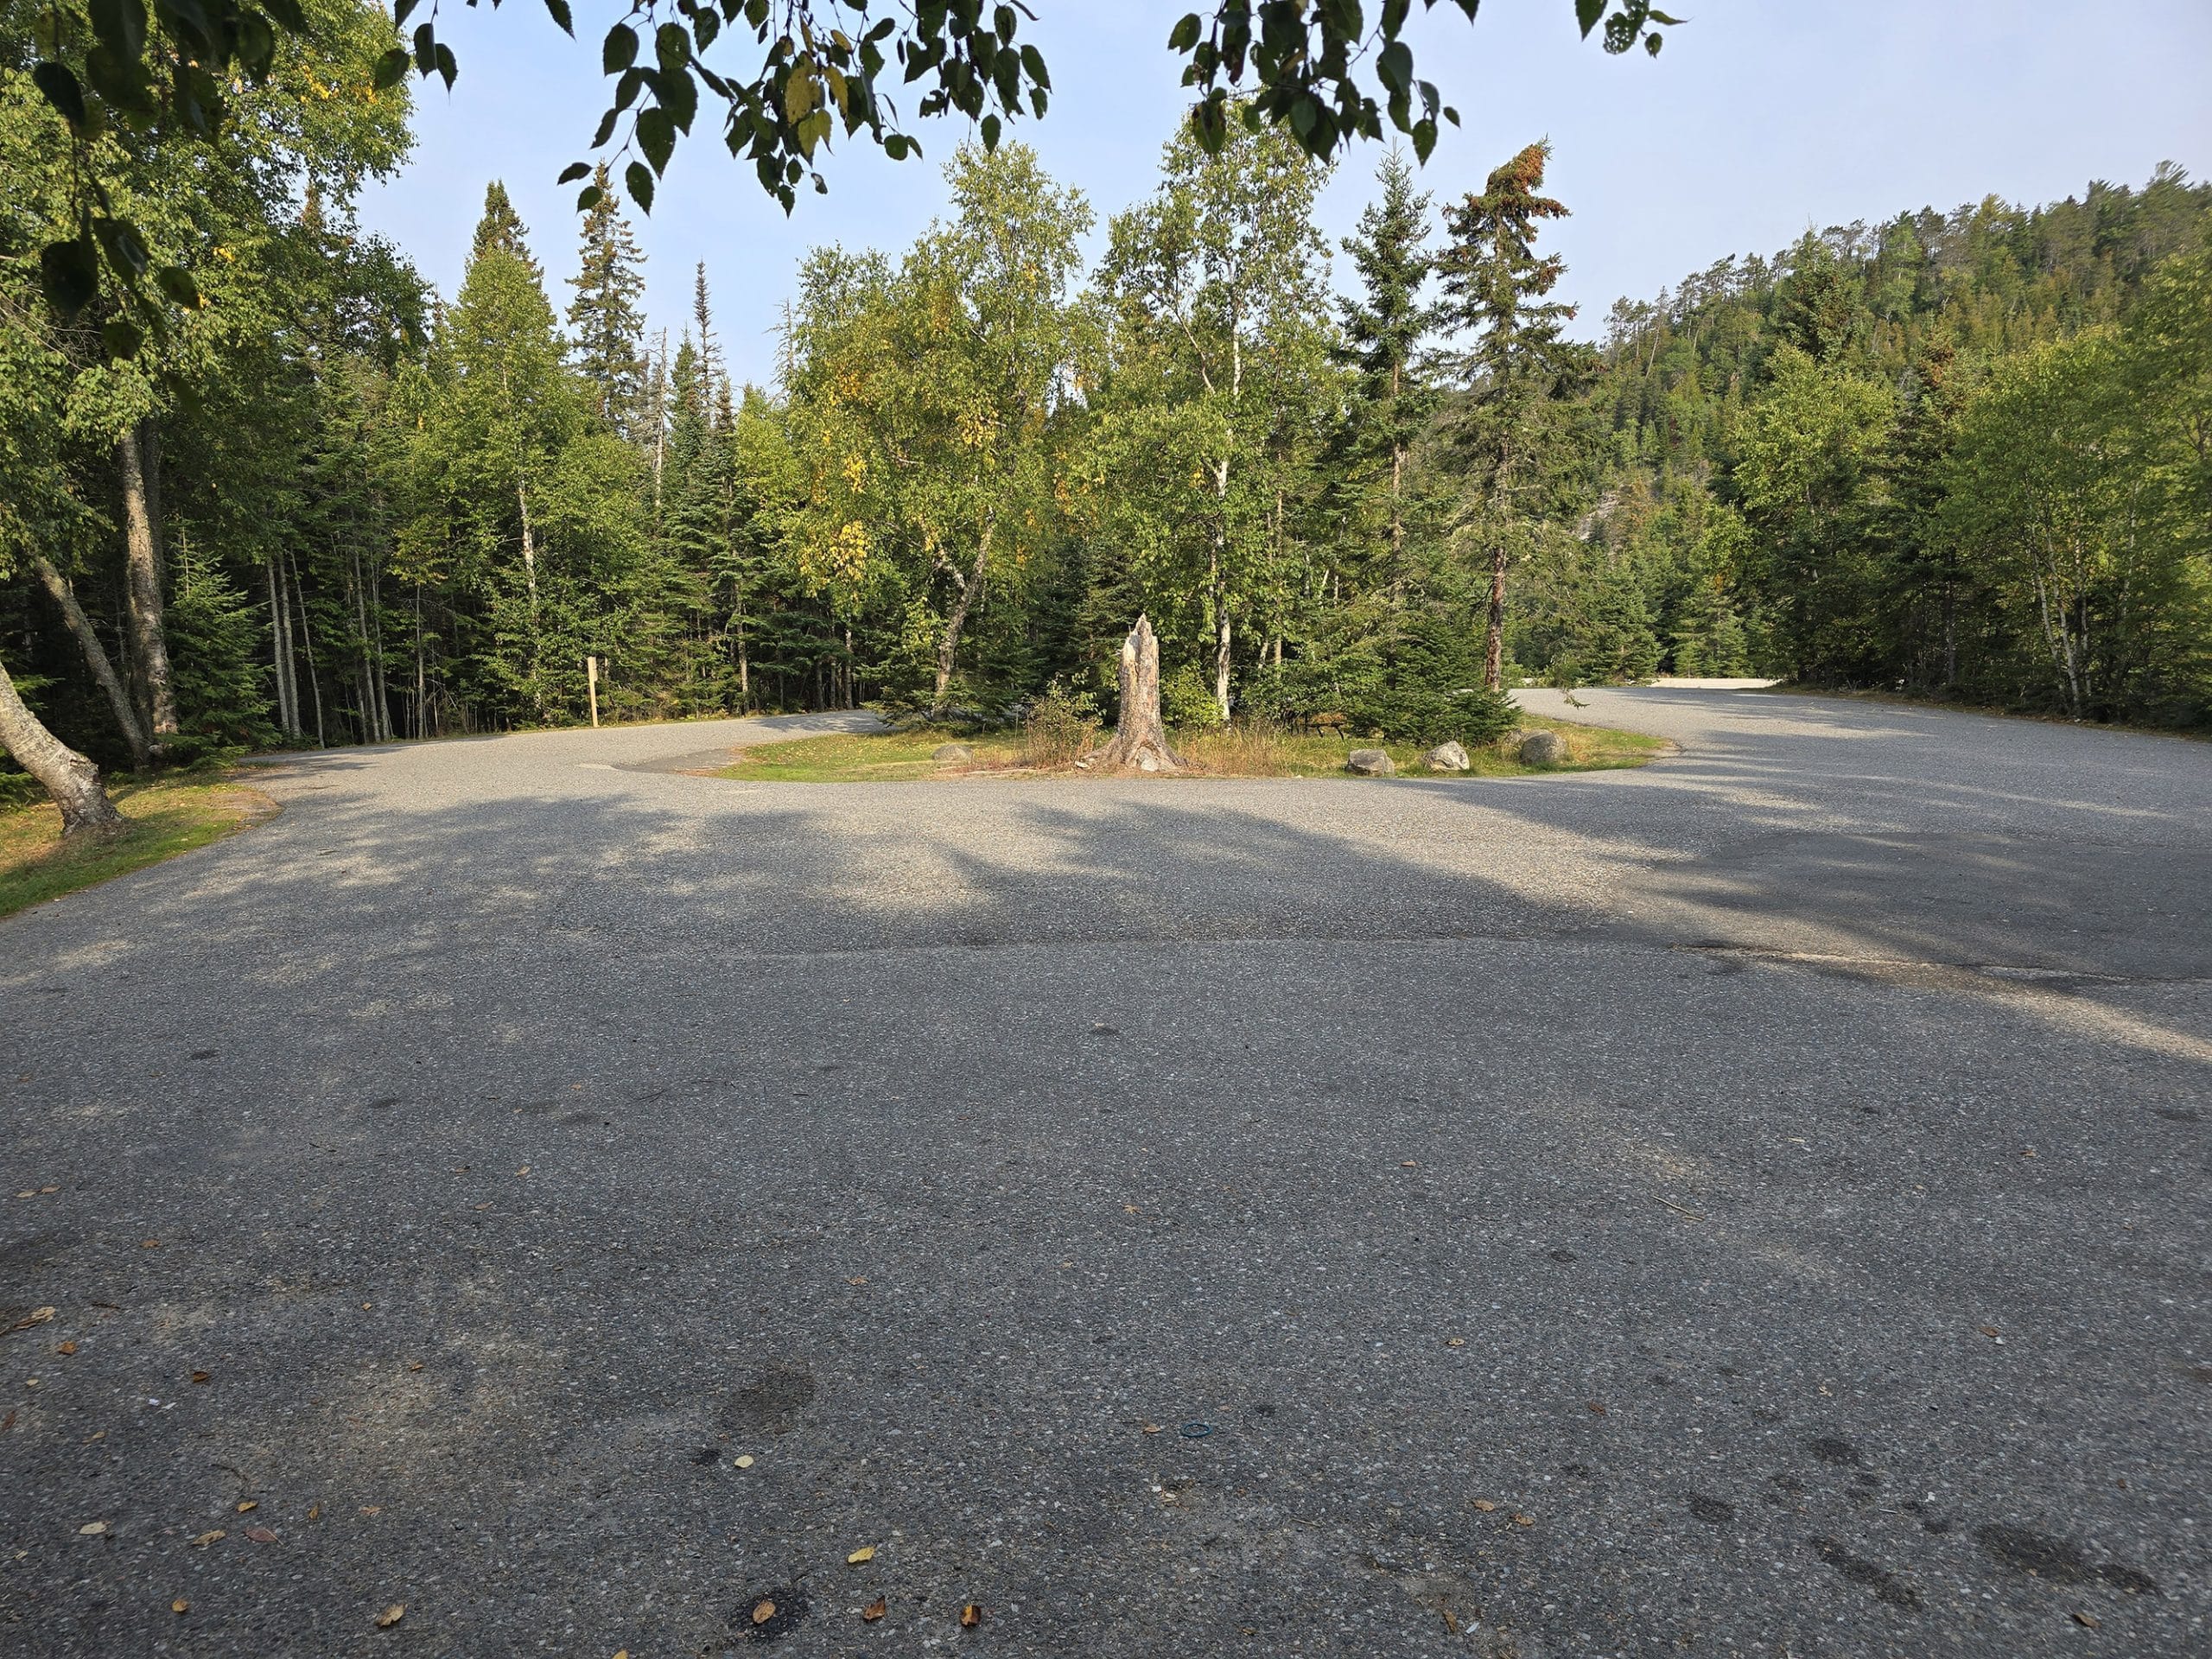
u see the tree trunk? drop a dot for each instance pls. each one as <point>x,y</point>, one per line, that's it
<point>1494,646</point>
<point>1140,739</point>
<point>949,641</point>
<point>96,658</point>
<point>73,781</point>
<point>143,579</point>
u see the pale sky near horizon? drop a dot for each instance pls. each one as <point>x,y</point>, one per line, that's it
<point>1757,121</point>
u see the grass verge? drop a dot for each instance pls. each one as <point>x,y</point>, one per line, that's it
<point>166,818</point>
<point>1229,752</point>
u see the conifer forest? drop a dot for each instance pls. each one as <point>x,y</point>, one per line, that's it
<point>1960,454</point>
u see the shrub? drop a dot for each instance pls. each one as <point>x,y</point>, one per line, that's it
<point>1186,700</point>
<point>1061,724</point>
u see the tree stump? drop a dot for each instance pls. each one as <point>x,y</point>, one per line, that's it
<point>1140,739</point>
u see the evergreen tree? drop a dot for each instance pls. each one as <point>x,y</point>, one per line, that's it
<point>604,322</point>
<point>501,228</point>
<point>1496,285</point>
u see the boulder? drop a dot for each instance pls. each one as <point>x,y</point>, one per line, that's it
<point>1446,757</point>
<point>1543,749</point>
<point>1369,763</point>
<point>952,754</point>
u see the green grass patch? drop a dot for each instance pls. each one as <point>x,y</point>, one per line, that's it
<point>1228,752</point>
<point>165,818</point>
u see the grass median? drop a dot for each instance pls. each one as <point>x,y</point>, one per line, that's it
<point>1226,752</point>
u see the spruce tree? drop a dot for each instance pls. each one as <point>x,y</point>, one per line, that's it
<point>607,328</point>
<point>1385,328</point>
<point>1496,284</point>
<point>501,227</point>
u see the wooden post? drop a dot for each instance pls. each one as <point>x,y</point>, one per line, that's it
<point>591,679</point>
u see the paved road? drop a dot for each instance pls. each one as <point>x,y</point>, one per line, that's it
<point>1754,1205</point>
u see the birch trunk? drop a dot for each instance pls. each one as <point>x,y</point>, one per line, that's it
<point>949,642</point>
<point>73,781</point>
<point>96,658</point>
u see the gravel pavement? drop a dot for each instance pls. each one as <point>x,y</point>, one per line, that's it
<point>1755,1204</point>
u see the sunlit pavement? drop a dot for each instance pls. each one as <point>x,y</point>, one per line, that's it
<point>1753,1204</point>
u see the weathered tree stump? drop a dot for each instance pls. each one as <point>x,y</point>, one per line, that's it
<point>1140,739</point>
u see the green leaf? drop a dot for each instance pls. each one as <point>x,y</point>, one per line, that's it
<point>990,129</point>
<point>69,272</point>
<point>122,338</point>
<point>656,136</point>
<point>391,67</point>
<point>1424,139</point>
<point>1032,60</point>
<point>1184,34</point>
<point>257,44</point>
<point>619,50</point>
<point>61,90</point>
<point>125,247</point>
<point>679,96</point>
<point>426,47</point>
<point>638,180</point>
<point>1586,13</point>
<point>573,171</point>
<point>120,26</point>
<point>897,145</point>
<point>290,18</point>
<point>559,10</point>
<point>448,66</point>
<point>176,282</point>
<point>671,46</point>
<point>1653,42</point>
<point>588,198</point>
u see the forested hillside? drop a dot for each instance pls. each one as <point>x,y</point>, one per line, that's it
<point>1967,455</point>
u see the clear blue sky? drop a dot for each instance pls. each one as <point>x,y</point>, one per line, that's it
<point>1761,118</point>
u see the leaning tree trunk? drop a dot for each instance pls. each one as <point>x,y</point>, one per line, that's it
<point>1139,740</point>
<point>73,781</point>
<point>88,642</point>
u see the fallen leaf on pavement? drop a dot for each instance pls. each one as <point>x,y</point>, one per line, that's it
<point>91,1528</point>
<point>314,1511</point>
<point>874,1610</point>
<point>745,1462</point>
<point>9,1421</point>
<point>524,1170</point>
<point>1133,1209</point>
<point>207,1538</point>
<point>1524,1520</point>
<point>180,1606</point>
<point>415,1365</point>
<point>2088,1621</point>
<point>1455,1342</point>
<point>36,1316</point>
<point>971,1615</point>
<point>1408,1164</point>
<point>860,1280</point>
<point>1989,1331</point>
<point>372,1509</point>
<point>865,1553</point>
<point>1485,1505</point>
<point>763,1611</point>
<point>261,1534</point>
<point>392,1615</point>
<point>66,1348</point>
<point>1597,1407</point>
<point>150,1243</point>
<point>247,1503</point>
<point>201,1376</point>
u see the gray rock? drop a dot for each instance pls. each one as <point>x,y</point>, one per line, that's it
<point>1543,749</point>
<point>1369,763</point>
<point>950,754</point>
<point>1446,757</point>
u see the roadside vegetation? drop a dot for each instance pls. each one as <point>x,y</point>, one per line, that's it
<point>162,819</point>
